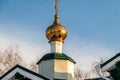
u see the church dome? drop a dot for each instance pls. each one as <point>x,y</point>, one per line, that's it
<point>56,32</point>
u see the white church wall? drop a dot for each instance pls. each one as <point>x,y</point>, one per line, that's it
<point>46,68</point>
<point>57,69</point>
<point>61,66</point>
<point>64,69</point>
<point>70,70</point>
<point>56,46</point>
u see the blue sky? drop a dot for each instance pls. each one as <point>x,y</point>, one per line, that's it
<point>93,27</point>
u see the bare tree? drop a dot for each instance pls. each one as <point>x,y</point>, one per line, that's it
<point>77,74</point>
<point>80,75</point>
<point>9,58</point>
<point>33,66</point>
<point>93,70</point>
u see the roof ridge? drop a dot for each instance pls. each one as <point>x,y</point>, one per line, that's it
<point>109,60</point>
<point>25,69</point>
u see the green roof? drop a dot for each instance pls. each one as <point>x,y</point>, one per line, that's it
<point>60,56</point>
<point>111,59</point>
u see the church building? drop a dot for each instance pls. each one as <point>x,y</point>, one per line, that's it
<point>52,66</point>
<point>56,65</point>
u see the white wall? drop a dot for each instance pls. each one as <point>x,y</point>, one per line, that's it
<point>56,46</point>
<point>57,69</point>
<point>46,68</point>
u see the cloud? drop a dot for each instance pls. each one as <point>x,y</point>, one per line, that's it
<point>85,52</point>
<point>28,50</point>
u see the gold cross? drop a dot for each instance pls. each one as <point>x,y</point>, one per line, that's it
<point>56,6</point>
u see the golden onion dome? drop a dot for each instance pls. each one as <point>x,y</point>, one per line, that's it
<point>56,32</point>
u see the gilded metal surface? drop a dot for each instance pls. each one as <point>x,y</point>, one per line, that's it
<point>56,32</point>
